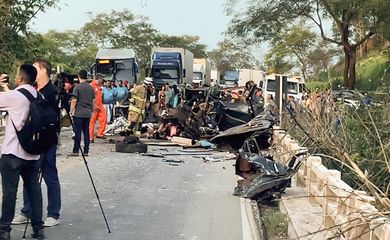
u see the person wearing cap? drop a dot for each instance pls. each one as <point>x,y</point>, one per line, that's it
<point>99,113</point>
<point>138,105</point>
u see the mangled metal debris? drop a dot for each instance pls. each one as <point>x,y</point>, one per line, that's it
<point>236,136</point>
<point>264,178</point>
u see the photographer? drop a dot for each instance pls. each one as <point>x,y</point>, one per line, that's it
<point>15,161</point>
<point>49,168</point>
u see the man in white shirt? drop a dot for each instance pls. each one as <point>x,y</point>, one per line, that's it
<point>15,161</point>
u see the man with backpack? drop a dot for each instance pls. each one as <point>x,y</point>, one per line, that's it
<point>48,167</point>
<point>15,161</point>
<point>82,106</point>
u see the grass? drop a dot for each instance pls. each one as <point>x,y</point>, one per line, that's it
<point>275,222</point>
<point>371,71</point>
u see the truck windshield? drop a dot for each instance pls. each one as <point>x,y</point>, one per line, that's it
<point>106,69</point>
<point>271,85</point>
<point>292,87</point>
<point>198,76</point>
<point>231,76</point>
<point>123,69</point>
<point>165,73</point>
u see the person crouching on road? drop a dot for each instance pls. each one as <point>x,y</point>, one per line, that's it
<point>81,108</point>
<point>100,112</point>
<point>15,161</point>
<point>49,168</point>
<point>138,105</point>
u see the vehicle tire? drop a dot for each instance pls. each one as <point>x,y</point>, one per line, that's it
<point>131,148</point>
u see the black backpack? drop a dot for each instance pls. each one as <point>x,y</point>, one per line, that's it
<point>39,132</point>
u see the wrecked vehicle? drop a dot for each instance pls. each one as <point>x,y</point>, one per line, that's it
<point>228,114</point>
<point>235,137</point>
<point>204,112</point>
<point>264,179</point>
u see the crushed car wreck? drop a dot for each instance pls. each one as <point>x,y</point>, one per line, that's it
<point>264,178</point>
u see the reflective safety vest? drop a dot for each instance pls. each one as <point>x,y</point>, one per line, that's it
<point>135,109</point>
<point>138,99</point>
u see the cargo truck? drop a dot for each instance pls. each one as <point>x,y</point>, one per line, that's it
<point>116,64</point>
<point>202,72</point>
<point>171,65</point>
<point>230,78</point>
<point>246,75</point>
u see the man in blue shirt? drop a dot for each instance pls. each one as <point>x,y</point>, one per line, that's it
<point>109,95</point>
<point>122,92</point>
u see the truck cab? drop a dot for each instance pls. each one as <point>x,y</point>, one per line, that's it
<point>116,64</point>
<point>171,65</point>
<point>202,72</point>
<point>295,86</point>
<point>230,78</point>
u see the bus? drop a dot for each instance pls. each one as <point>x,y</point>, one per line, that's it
<point>116,64</point>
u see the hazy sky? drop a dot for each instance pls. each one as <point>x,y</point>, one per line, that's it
<point>204,18</point>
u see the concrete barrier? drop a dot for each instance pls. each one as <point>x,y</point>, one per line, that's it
<point>346,213</point>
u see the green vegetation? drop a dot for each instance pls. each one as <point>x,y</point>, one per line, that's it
<point>275,223</point>
<point>373,71</point>
<point>76,49</point>
<point>354,23</point>
<point>232,55</point>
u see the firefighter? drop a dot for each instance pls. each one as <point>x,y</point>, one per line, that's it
<point>100,112</point>
<point>138,105</point>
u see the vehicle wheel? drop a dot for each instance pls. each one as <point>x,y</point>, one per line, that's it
<point>131,148</point>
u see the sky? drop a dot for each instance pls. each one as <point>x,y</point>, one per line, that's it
<point>204,18</point>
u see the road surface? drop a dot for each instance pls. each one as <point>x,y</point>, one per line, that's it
<point>144,197</point>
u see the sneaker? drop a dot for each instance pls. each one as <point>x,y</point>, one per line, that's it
<point>19,219</point>
<point>38,234</point>
<point>51,222</point>
<point>72,154</point>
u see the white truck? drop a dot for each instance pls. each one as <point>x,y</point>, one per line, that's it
<point>295,86</point>
<point>171,65</point>
<point>202,72</point>
<point>246,75</point>
<point>215,77</point>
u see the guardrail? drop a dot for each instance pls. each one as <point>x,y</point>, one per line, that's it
<point>346,211</point>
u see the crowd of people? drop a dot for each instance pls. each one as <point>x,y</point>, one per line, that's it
<point>88,100</point>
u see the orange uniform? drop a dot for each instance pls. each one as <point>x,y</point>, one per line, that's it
<point>99,113</point>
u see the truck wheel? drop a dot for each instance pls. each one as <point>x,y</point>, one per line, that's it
<point>131,148</point>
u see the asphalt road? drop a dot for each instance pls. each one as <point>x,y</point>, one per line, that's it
<point>145,198</point>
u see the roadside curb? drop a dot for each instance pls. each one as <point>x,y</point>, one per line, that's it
<point>250,214</point>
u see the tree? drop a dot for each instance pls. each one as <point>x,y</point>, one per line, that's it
<point>264,20</point>
<point>277,63</point>
<point>296,43</point>
<point>122,30</point>
<point>14,29</point>
<point>232,55</point>
<point>116,29</point>
<point>320,58</point>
